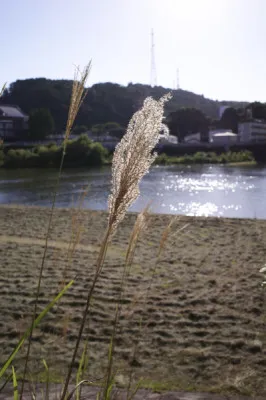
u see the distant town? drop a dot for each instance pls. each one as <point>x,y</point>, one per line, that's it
<point>34,112</point>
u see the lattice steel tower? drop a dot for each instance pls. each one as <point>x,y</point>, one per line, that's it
<point>153,64</point>
<point>177,79</point>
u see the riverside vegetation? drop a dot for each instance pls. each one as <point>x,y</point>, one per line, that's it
<point>208,158</point>
<point>115,323</point>
<point>80,152</point>
<point>83,152</point>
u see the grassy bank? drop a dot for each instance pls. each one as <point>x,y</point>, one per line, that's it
<point>244,157</point>
<point>83,152</point>
<point>204,319</point>
<point>79,152</point>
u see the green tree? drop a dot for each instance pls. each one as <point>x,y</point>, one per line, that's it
<point>111,125</point>
<point>186,121</point>
<point>98,129</point>
<point>258,110</point>
<point>41,124</point>
<point>230,119</point>
<point>79,129</point>
<point>104,102</point>
<point>114,129</point>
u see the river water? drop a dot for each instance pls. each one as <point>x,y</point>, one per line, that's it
<point>207,190</point>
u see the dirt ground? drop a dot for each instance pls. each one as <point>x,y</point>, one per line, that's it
<point>90,393</point>
<point>203,324</point>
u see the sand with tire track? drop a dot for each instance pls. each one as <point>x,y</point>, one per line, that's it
<point>204,319</point>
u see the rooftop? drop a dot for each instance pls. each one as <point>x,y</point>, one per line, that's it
<point>225,134</point>
<point>11,111</point>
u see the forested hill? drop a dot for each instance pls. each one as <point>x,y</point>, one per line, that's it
<point>105,102</point>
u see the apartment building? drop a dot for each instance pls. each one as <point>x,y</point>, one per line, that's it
<point>252,132</point>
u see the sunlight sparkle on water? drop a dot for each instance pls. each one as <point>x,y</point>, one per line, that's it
<point>204,193</point>
<point>204,182</point>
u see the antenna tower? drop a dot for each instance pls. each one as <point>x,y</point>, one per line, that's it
<point>177,79</point>
<point>153,65</point>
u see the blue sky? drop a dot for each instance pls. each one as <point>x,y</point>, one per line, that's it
<point>219,46</point>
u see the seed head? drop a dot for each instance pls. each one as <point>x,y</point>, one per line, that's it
<point>133,157</point>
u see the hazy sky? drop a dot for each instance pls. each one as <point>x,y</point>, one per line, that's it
<point>219,46</point>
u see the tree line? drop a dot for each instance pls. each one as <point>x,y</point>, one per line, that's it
<point>109,106</point>
<point>187,121</point>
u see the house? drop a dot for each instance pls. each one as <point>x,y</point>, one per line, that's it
<point>13,122</point>
<point>169,139</point>
<point>252,131</point>
<point>193,138</point>
<point>213,132</point>
<point>224,138</point>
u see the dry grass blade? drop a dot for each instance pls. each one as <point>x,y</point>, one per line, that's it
<point>2,90</point>
<point>78,94</point>
<point>85,381</point>
<point>139,227</point>
<point>77,228</point>
<point>166,234</point>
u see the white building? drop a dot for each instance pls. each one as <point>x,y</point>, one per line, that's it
<point>193,138</point>
<point>217,131</point>
<point>252,131</point>
<point>170,139</point>
<point>225,138</point>
<point>13,122</point>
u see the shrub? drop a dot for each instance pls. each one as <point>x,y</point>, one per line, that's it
<point>2,157</point>
<point>162,159</point>
<point>77,150</point>
<point>50,156</point>
<point>20,158</point>
<point>207,158</point>
<point>79,129</point>
<point>2,154</point>
<point>40,149</point>
<point>83,151</point>
<point>97,155</point>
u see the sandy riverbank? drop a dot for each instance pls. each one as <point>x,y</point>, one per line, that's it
<point>205,318</point>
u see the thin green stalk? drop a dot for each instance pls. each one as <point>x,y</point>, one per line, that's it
<point>36,322</point>
<point>112,342</point>
<point>41,270</point>
<point>85,364</point>
<point>98,270</point>
<point>47,380</point>
<point>77,96</point>
<point>15,383</point>
<point>140,225</point>
<point>81,369</point>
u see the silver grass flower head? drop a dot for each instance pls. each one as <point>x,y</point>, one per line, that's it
<point>133,157</point>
